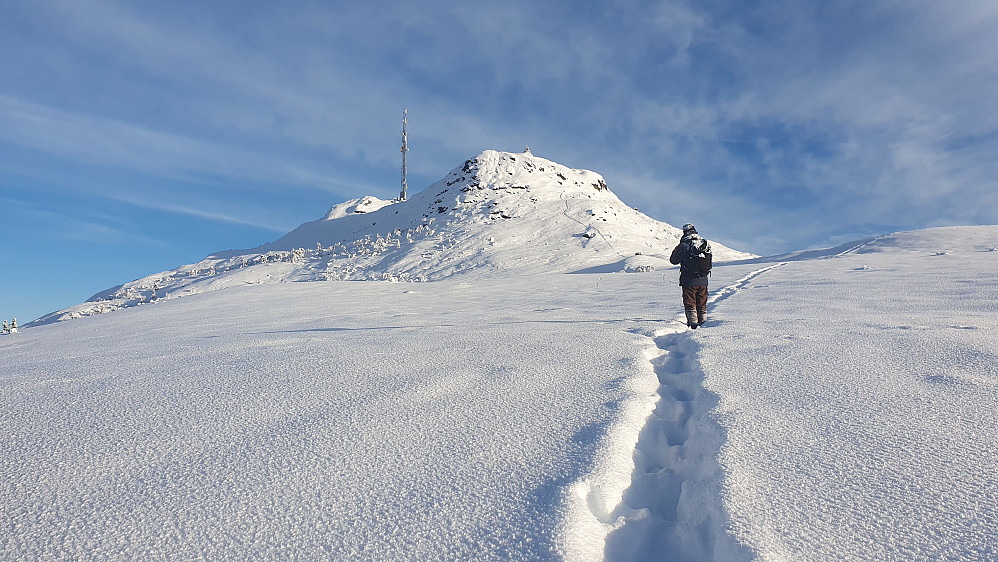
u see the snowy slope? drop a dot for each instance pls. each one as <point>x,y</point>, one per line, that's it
<point>360,421</point>
<point>842,406</point>
<point>860,399</point>
<point>499,212</point>
<point>856,397</point>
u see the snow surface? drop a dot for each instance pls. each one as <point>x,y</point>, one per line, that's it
<point>498,213</point>
<point>359,420</point>
<point>860,400</point>
<point>836,406</point>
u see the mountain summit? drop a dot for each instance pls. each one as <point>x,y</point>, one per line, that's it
<point>497,212</point>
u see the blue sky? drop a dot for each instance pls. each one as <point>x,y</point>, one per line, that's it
<point>135,137</point>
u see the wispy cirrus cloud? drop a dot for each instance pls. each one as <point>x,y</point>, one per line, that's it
<point>872,113</point>
<point>115,143</point>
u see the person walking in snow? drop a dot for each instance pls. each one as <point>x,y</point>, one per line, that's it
<point>693,257</point>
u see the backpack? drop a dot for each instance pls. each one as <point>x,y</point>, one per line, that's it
<point>699,259</point>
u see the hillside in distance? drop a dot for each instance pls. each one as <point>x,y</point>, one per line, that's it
<point>497,213</point>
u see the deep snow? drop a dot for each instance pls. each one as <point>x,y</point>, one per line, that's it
<point>837,407</point>
<point>532,401</point>
<point>860,399</point>
<point>360,420</point>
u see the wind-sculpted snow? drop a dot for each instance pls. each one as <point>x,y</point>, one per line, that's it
<point>498,213</point>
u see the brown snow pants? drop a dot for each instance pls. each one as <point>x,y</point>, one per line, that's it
<point>695,298</point>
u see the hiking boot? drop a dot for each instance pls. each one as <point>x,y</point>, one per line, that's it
<point>691,318</point>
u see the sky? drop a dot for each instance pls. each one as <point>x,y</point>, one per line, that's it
<point>136,137</point>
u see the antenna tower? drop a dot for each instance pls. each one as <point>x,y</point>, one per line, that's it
<point>405,148</point>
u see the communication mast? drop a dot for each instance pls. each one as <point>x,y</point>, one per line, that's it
<point>405,148</point>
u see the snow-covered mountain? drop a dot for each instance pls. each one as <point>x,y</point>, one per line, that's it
<point>498,212</point>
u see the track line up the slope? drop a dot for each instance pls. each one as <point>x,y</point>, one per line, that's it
<point>857,247</point>
<point>728,291</point>
<point>673,503</point>
<point>586,226</point>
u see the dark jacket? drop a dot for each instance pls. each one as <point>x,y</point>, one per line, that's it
<point>679,255</point>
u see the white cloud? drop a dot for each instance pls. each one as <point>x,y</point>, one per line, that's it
<point>864,112</point>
